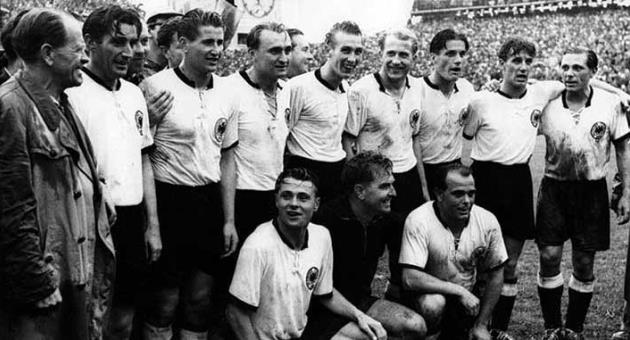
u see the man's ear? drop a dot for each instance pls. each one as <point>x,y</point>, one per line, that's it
<point>183,43</point>
<point>317,201</point>
<point>46,52</point>
<point>359,191</point>
<point>90,43</point>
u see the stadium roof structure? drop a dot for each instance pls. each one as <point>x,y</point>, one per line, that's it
<point>492,7</point>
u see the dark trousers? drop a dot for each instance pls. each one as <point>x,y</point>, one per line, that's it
<point>328,174</point>
<point>408,192</point>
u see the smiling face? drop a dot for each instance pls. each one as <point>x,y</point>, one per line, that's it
<point>576,75</point>
<point>397,58</point>
<point>346,54</point>
<point>457,200</point>
<point>271,58</point>
<point>378,194</point>
<point>67,60</point>
<point>449,62</point>
<point>516,69</point>
<point>112,55</point>
<point>296,201</point>
<point>203,53</point>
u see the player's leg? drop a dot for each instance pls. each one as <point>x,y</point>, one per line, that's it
<point>503,309</point>
<point>551,233</point>
<point>550,286</point>
<point>398,320</point>
<point>195,306</point>
<point>431,307</point>
<point>581,286</point>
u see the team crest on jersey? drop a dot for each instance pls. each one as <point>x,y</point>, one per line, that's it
<point>598,130</point>
<point>219,130</point>
<point>414,116</point>
<point>138,119</point>
<point>463,117</point>
<point>534,118</point>
<point>311,277</point>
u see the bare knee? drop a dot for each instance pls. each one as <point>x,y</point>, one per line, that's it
<point>414,327</point>
<point>161,312</point>
<point>120,323</point>
<point>583,265</point>
<point>431,307</point>
<point>550,259</point>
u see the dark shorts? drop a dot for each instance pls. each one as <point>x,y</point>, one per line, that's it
<point>576,210</point>
<point>132,267</point>
<point>252,208</point>
<point>506,191</point>
<point>324,324</point>
<point>191,226</point>
<point>408,192</point>
<point>430,173</point>
<point>328,174</point>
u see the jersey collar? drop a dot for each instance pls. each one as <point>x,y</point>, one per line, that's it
<point>381,87</point>
<point>510,97</point>
<point>191,83</point>
<point>249,80</point>
<point>588,101</point>
<point>100,81</point>
<point>318,75</point>
<point>285,240</point>
<point>435,86</point>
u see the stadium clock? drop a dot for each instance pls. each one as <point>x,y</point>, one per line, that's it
<point>259,8</point>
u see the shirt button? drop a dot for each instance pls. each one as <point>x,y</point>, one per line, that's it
<point>77,194</point>
<point>81,239</point>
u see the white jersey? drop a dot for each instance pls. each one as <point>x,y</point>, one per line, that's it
<point>442,120</point>
<point>383,123</point>
<point>279,281</point>
<point>504,129</point>
<point>262,135</point>
<point>578,143</point>
<point>430,246</point>
<point>117,123</point>
<point>316,115</point>
<point>189,139</point>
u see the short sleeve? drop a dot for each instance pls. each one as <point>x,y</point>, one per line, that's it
<point>325,284</point>
<point>414,249</point>
<point>145,132</point>
<point>497,254</point>
<point>248,275</point>
<point>472,120</point>
<point>231,130</point>
<point>619,128</point>
<point>292,101</point>
<point>357,112</point>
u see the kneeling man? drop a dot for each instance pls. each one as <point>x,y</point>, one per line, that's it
<point>446,243</point>
<point>284,263</point>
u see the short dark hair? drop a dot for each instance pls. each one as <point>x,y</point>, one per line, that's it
<point>195,18</point>
<point>349,27</point>
<point>107,20</point>
<point>442,172</point>
<point>363,168</point>
<point>591,57</point>
<point>301,174</point>
<point>403,34</point>
<point>514,46</point>
<point>439,40</point>
<point>253,38</point>
<point>293,32</point>
<point>37,27</point>
<point>166,32</point>
<point>7,34</point>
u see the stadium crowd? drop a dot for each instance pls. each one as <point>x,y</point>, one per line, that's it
<point>153,185</point>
